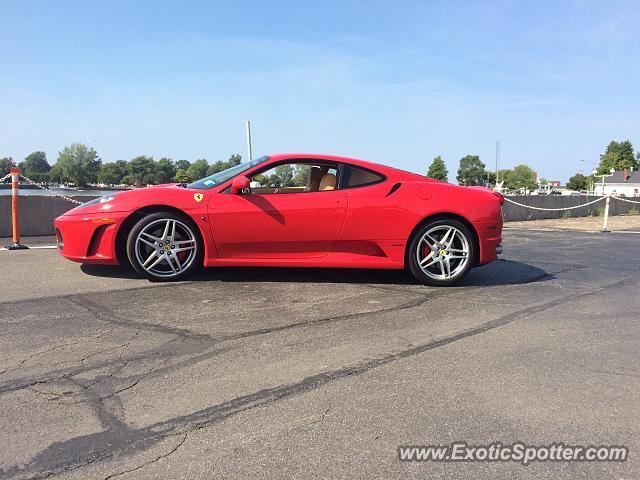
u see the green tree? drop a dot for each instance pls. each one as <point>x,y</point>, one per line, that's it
<point>182,176</point>
<point>235,159</point>
<point>578,182</point>
<point>36,167</point>
<point>112,173</point>
<point>216,167</point>
<point>5,165</point>
<point>302,176</point>
<point>198,170</point>
<point>57,175</point>
<point>79,164</point>
<point>141,171</point>
<point>182,166</point>
<point>522,176</point>
<point>284,175</point>
<point>128,180</point>
<point>438,170</point>
<point>220,165</point>
<point>471,171</point>
<point>165,170</point>
<point>617,156</point>
<point>262,180</point>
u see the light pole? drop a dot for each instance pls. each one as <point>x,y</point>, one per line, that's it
<point>595,174</point>
<point>249,141</point>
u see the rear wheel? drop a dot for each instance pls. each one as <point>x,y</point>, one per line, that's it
<point>441,252</point>
<point>165,246</point>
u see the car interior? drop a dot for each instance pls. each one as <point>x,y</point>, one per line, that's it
<point>296,178</point>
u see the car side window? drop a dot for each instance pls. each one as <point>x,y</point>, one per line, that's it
<point>360,177</point>
<point>296,177</point>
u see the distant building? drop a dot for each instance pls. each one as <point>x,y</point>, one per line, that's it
<point>624,182</point>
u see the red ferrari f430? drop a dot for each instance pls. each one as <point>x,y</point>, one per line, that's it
<point>295,210</point>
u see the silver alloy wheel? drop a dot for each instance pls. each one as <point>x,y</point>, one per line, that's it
<point>443,252</point>
<point>166,247</point>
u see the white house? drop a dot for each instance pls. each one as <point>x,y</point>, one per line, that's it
<point>624,182</point>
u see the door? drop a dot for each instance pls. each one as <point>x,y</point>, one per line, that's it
<point>285,215</point>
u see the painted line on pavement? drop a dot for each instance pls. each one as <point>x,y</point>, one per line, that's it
<point>34,247</point>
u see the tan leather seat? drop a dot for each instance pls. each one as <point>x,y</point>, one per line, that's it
<point>328,182</point>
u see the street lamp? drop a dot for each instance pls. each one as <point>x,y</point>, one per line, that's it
<point>595,174</point>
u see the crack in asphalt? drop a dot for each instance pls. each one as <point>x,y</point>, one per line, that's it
<point>158,458</point>
<point>51,349</point>
<point>206,348</point>
<point>80,451</point>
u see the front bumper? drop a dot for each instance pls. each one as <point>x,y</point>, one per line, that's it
<point>89,238</point>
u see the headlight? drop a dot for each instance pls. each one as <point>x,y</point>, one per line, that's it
<point>96,201</point>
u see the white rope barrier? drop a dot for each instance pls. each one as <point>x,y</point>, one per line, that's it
<point>55,194</point>
<point>506,199</point>
<point>625,200</point>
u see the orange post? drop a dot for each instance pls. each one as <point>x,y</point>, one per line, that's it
<point>15,178</point>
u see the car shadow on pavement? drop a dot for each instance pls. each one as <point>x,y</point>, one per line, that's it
<point>499,272</point>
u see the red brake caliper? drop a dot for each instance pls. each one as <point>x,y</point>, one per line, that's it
<point>424,251</point>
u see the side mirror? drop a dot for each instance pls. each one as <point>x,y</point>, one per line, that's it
<point>239,184</point>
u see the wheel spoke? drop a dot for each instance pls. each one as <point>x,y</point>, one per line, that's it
<point>436,243</point>
<point>444,240</point>
<point>165,234</point>
<point>170,260</point>
<point>182,243</point>
<point>424,240</point>
<point>183,249</point>
<point>430,263</point>
<point>447,264</point>
<point>442,267</point>
<point>150,237</point>
<point>422,262</point>
<point>151,257</point>
<point>158,260</point>
<point>147,242</point>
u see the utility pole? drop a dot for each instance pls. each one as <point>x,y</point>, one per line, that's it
<point>249,140</point>
<point>497,159</point>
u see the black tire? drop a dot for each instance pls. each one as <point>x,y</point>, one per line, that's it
<point>172,268</point>
<point>461,234</point>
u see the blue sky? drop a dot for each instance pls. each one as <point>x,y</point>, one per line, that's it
<point>391,82</point>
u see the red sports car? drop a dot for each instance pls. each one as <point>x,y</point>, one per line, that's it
<point>296,210</point>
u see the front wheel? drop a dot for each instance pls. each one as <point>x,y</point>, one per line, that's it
<point>165,246</point>
<point>441,252</point>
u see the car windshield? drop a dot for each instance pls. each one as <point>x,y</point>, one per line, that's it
<point>221,177</point>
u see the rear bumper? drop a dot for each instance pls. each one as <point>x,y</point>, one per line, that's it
<point>490,240</point>
<point>90,238</point>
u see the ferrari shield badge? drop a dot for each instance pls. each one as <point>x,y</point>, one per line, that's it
<point>198,197</point>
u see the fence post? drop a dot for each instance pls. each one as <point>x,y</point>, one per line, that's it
<point>605,223</point>
<point>15,179</point>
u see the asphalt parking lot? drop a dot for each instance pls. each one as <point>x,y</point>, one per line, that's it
<point>277,373</point>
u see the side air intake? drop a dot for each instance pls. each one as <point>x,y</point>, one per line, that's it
<point>395,187</point>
